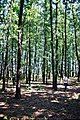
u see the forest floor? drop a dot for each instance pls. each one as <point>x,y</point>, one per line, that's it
<point>41,102</point>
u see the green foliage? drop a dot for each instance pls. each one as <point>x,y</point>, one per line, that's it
<point>33,17</point>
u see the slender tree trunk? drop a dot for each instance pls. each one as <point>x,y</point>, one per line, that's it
<point>43,67</point>
<point>1,74</point>
<point>26,67</point>
<point>72,61</point>
<point>77,55</point>
<point>62,58</point>
<point>29,70</point>
<point>52,50</point>
<point>73,69</point>
<point>15,61</point>
<point>4,70</point>
<point>68,68</point>
<point>18,93</point>
<point>1,54</point>
<point>13,77</point>
<point>5,62</point>
<point>47,72</point>
<point>34,71</point>
<point>7,75</point>
<point>65,41</point>
<point>38,68</point>
<point>56,72</point>
<point>49,69</point>
<point>45,45</point>
<point>73,64</point>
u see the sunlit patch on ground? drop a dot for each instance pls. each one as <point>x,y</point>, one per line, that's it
<point>41,102</point>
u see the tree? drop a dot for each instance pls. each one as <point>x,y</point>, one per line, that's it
<point>76,45</point>
<point>52,50</point>
<point>18,94</point>
<point>45,43</point>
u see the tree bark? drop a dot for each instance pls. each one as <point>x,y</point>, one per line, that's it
<point>13,77</point>
<point>56,71</point>
<point>26,67</point>
<point>65,41</point>
<point>45,45</point>
<point>52,50</point>
<point>62,57</point>
<point>18,93</point>
<point>5,62</point>
<point>29,72</point>
<point>35,66</point>
<point>77,55</point>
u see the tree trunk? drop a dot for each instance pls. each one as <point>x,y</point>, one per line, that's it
<point>56,71</point>
<point>49,69</point>
<point>38,68</point>
<point>52,51</point>
<point>62,58</point>
<point>29,70</point>
<point>65,41</point>
<point>18,93</point>
<point>26,67</point>
<point>45,45</point>
<point>1,74</point>
<point>34,71</point>
<point>5,62</point>
<point>68,68</point>
<point>7,75</point>
<point>47,72</point>
<point>77,55</point>
<point>13,80</point>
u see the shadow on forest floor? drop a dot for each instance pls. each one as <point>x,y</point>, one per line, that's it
<point>41,103</point>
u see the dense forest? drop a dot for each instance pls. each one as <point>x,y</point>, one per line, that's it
<point>39,46</point>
